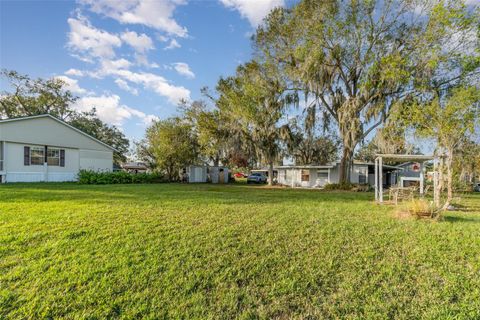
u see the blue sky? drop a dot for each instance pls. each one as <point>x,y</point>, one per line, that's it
<point>132,60</point>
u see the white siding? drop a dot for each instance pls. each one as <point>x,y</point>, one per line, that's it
<point>47,131</point>
<point>16,171</point>
<point>335,174</point>
<point>96,160</point>
<point>81,151</point>
<point>293,177</point>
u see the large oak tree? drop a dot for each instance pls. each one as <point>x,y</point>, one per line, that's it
<point>359,58</point>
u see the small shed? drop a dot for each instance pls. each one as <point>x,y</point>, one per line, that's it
<point>218,174</point>
<point>197,174</point>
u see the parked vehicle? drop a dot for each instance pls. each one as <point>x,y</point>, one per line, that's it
<point>476,187</point>
<point>240,175</point>
<point>257,177</point>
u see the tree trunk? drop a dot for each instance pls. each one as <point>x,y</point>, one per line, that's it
<point>441,178</point>
<point>351,133</point>
<point>449,162</point>
<point>346,164</point>
<point>270,173</point>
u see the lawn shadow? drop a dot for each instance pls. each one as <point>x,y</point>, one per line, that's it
<point>466,208</point>
<point>456,219</point>
<point>188,193</point>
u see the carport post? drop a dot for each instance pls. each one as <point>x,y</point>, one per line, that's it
<point>436,195</point>
<point>421,178</point>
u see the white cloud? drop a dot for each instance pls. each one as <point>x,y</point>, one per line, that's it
<point>98,46</point>
<point>89,42</point>
<point>122,84</point>
<point>172,45</point>
<point>142,60</point>
<point>110,110</point>
<point>155,83</point>
<point>72,85</point>
<point>109,67</point>
<point>119,69</point>
<point>157,14</point>
<point>184,69</point>
<point>74,72</point>
<point>253,10</point>
<point>140,42</point>
<point>161,37</point>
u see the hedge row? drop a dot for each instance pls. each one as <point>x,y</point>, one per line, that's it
<point>118,177</point>
<point>347,187</point>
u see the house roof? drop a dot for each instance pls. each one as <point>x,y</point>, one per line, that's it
<point>406,157</point>
<point>134,165</point>
<point>332,165</point>
<point>305,167</point>
<point>59,121</point>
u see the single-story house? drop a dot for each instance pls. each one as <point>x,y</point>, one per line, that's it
<point>317,176</point>
<point>135,167</point>
<point>44,148</point>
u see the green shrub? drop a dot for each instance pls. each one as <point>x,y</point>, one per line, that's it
<point>118,177</point>
<point>339,186</point>
<point>348,187</point>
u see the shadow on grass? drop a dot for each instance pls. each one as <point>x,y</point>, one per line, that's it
<point>473,207</point>
<point>196,193</point>
<point>456,219</point>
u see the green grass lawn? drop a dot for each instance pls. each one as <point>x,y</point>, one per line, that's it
<point>222,252</point>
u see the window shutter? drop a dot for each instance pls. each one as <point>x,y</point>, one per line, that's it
<point>62,158</point>
<point>26,156</point>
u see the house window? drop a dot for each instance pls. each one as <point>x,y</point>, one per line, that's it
<point>305,175</point>
<point>321,174</point>
<point>53,157</point>
<point>37,156</point>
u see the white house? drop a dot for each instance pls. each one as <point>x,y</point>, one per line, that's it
<point>44,148</point>
<point>312,176</point>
